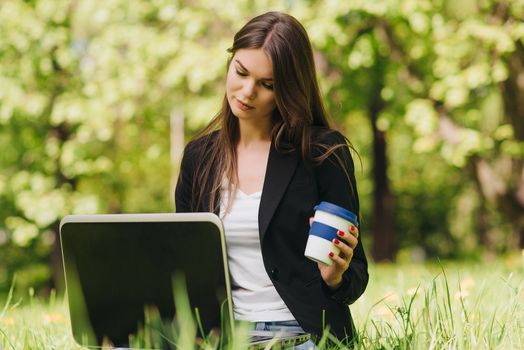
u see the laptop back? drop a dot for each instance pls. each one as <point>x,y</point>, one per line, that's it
<point>118,265</point>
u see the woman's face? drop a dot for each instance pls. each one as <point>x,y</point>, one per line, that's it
<point>249,86</point>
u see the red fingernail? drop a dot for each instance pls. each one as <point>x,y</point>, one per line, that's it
<point>352,228</point>
<point>336,241</point>
<point>331,254</point>
<point>340,233</point>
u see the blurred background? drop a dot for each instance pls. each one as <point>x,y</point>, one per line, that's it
<point>98,98</point>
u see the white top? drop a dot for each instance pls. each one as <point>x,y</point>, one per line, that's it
<point>255,299</point>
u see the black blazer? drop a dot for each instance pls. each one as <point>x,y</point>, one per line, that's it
<point>291,190</point>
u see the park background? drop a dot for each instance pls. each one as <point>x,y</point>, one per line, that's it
<point>98,98</point>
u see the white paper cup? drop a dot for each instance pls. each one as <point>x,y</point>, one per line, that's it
<point>329,218</point>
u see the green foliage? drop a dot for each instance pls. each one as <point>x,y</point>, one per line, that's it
<point>89,87</point>
<point>85,122</point>
<point>438,73</point>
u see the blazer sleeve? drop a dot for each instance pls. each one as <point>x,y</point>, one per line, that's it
<point>184,185</point>
<point>334,187</point>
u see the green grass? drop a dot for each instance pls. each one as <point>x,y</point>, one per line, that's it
<point>406,306</point>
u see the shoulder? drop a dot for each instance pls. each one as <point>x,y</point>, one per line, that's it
<point>327,136</point>
<point>324,139</point>
<point>201,144</point>
<point>197,148</point>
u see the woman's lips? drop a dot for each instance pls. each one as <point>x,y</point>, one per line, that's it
<point>242,105</point>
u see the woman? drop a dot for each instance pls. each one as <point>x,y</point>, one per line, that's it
<point>262,164</point>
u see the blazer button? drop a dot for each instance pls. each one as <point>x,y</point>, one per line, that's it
<point>274,274</point>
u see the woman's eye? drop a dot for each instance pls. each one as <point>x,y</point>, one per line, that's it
<point>268,86</point>
<point>241,74</point>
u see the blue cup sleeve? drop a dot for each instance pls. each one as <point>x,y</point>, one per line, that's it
<point>322,230</point>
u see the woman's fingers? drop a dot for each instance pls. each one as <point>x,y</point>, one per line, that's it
<point>353,230</point>
<point>340,261</point>
<point>349,239</point>
<point>346,243</point>
<point>347,251</point>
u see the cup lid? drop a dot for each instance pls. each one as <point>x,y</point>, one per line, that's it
<point>338,211</point>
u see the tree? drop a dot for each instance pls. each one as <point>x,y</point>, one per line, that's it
<point>429,93</point>
<point>451,74</point>
<point>85,121</point>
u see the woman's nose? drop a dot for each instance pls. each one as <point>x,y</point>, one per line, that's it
<point>249,89</point>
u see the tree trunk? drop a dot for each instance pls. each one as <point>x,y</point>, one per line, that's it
<point>511,202</point>
<point>382,223</point>
<point>176,146</point>
<point>384,246</point>
<point>513,91</point>
<point>62,134</point>
<point>482,222</point>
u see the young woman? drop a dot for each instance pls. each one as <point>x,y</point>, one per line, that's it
<point>262,164</point>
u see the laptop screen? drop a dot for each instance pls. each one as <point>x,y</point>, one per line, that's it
<point>114,270</point>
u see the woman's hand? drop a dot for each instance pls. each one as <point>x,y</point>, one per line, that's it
<point>332,275</point>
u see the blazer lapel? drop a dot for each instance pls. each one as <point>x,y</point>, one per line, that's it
<point>280,169</point>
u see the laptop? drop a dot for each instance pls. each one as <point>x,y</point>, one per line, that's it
<point>117,267</point>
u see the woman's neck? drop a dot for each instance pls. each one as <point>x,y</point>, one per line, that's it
<point>253,135</point>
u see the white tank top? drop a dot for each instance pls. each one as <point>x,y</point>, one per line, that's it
<point>255,299</point>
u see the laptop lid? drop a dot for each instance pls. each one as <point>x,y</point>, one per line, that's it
<point>116,265</point>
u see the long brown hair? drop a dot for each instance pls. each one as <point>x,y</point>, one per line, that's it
<point>299,107</point>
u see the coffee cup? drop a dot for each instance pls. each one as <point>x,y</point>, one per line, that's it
<point>328,220</point>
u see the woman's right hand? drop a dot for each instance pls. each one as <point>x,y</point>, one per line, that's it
<point>332,275</point>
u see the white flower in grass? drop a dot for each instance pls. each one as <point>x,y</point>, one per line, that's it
<point>413,290</point>
<point>465,287</point>
<point>467,283</point>
<point>391,297</point>
<point>461,294</point>
<point>384,312</point>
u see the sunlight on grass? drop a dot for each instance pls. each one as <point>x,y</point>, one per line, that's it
<point>454,306</point>
<point>459,306</point>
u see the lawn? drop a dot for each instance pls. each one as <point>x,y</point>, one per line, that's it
<point>445,305</point>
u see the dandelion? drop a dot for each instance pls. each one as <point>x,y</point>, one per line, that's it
<point>412,291</point>
<point>7,321</point>
<point>461,294</point>
<point>467,283</point>
<point>391,297</point>
<point>384,312</point>
<point>53,317</point>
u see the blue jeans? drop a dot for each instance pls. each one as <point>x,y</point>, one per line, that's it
<point>286,326</point>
